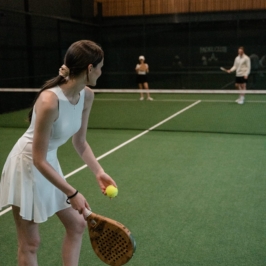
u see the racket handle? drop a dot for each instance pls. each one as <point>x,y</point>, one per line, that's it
<point>86,213</point>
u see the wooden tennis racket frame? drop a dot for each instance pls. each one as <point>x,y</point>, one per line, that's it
<point>111,241</point>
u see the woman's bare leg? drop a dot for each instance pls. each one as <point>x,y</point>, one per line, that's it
<point>141,94</point>
<point>74,224</point>
<point>243,88</point>
<point>146,87</point>
<point>28,239</point>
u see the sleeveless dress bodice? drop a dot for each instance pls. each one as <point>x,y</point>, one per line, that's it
<point>67,123</point>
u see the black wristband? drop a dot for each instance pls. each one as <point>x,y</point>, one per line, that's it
<point>70,197</point>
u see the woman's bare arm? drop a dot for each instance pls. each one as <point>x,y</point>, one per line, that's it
<point>83,148</point>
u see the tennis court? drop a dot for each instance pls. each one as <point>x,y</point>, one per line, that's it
<point>191,175</point>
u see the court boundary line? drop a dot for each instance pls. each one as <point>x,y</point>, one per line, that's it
<point>122,144</point>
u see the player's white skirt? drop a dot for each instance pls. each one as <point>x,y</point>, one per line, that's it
<point>24,186</point>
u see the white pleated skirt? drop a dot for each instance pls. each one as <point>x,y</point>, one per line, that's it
<point>24,186</point>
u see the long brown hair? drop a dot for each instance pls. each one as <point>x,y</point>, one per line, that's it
<point>78,56</point>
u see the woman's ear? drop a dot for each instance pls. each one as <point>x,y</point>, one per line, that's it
<point>90,66</point>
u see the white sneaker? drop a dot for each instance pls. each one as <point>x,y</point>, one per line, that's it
<point>149,99</point>
<point>241,100</point>
<point>237,100</point>
<point>141,98</point>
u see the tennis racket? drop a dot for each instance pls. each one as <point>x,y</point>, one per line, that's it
<point>223,69</point>
<point>111,241</point>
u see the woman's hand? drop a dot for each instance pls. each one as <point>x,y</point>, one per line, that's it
<point>143,67</point>
<point>79,203</point>
<point>104,180</point>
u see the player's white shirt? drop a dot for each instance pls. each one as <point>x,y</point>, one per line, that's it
<point>241,66</point>
<point>142,72</point>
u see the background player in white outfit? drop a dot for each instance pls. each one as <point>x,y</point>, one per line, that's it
<point>242,67</point>
<point>32,181</point>
<point>142,69</point>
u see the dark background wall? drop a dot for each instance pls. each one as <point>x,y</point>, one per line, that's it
<point>183,50</point>
<point>35,36</point>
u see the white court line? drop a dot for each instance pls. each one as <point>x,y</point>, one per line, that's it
<point>5,211</point>
<point>124,144</point>
<point>228,101</point>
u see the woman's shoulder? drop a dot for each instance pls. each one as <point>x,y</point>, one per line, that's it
<point>48,95</point>
<point>47,100</point>
<point>88,93</point>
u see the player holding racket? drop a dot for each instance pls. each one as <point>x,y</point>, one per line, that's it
<point>32,180</point>
<point>142,69</point>
<point>242,68</point>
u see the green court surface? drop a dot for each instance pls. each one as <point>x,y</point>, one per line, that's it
<point>192,191</point>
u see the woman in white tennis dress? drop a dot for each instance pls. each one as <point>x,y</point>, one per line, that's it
<point>32,181</point>
<point>142,69</point>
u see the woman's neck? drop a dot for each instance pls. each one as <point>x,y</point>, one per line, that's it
<point>72,88</point>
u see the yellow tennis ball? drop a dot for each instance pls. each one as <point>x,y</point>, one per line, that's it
<point>111,191</point>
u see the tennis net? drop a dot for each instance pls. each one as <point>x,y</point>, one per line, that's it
<point>212,111</point>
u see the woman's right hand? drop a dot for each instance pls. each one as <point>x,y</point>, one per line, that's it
<point>79,203</point>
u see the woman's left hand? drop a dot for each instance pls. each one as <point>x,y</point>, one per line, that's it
<point>104,180</point>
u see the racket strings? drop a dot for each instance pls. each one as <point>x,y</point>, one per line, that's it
<point>112,245</point>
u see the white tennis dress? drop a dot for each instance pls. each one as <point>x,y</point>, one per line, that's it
<point>21,183</point>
